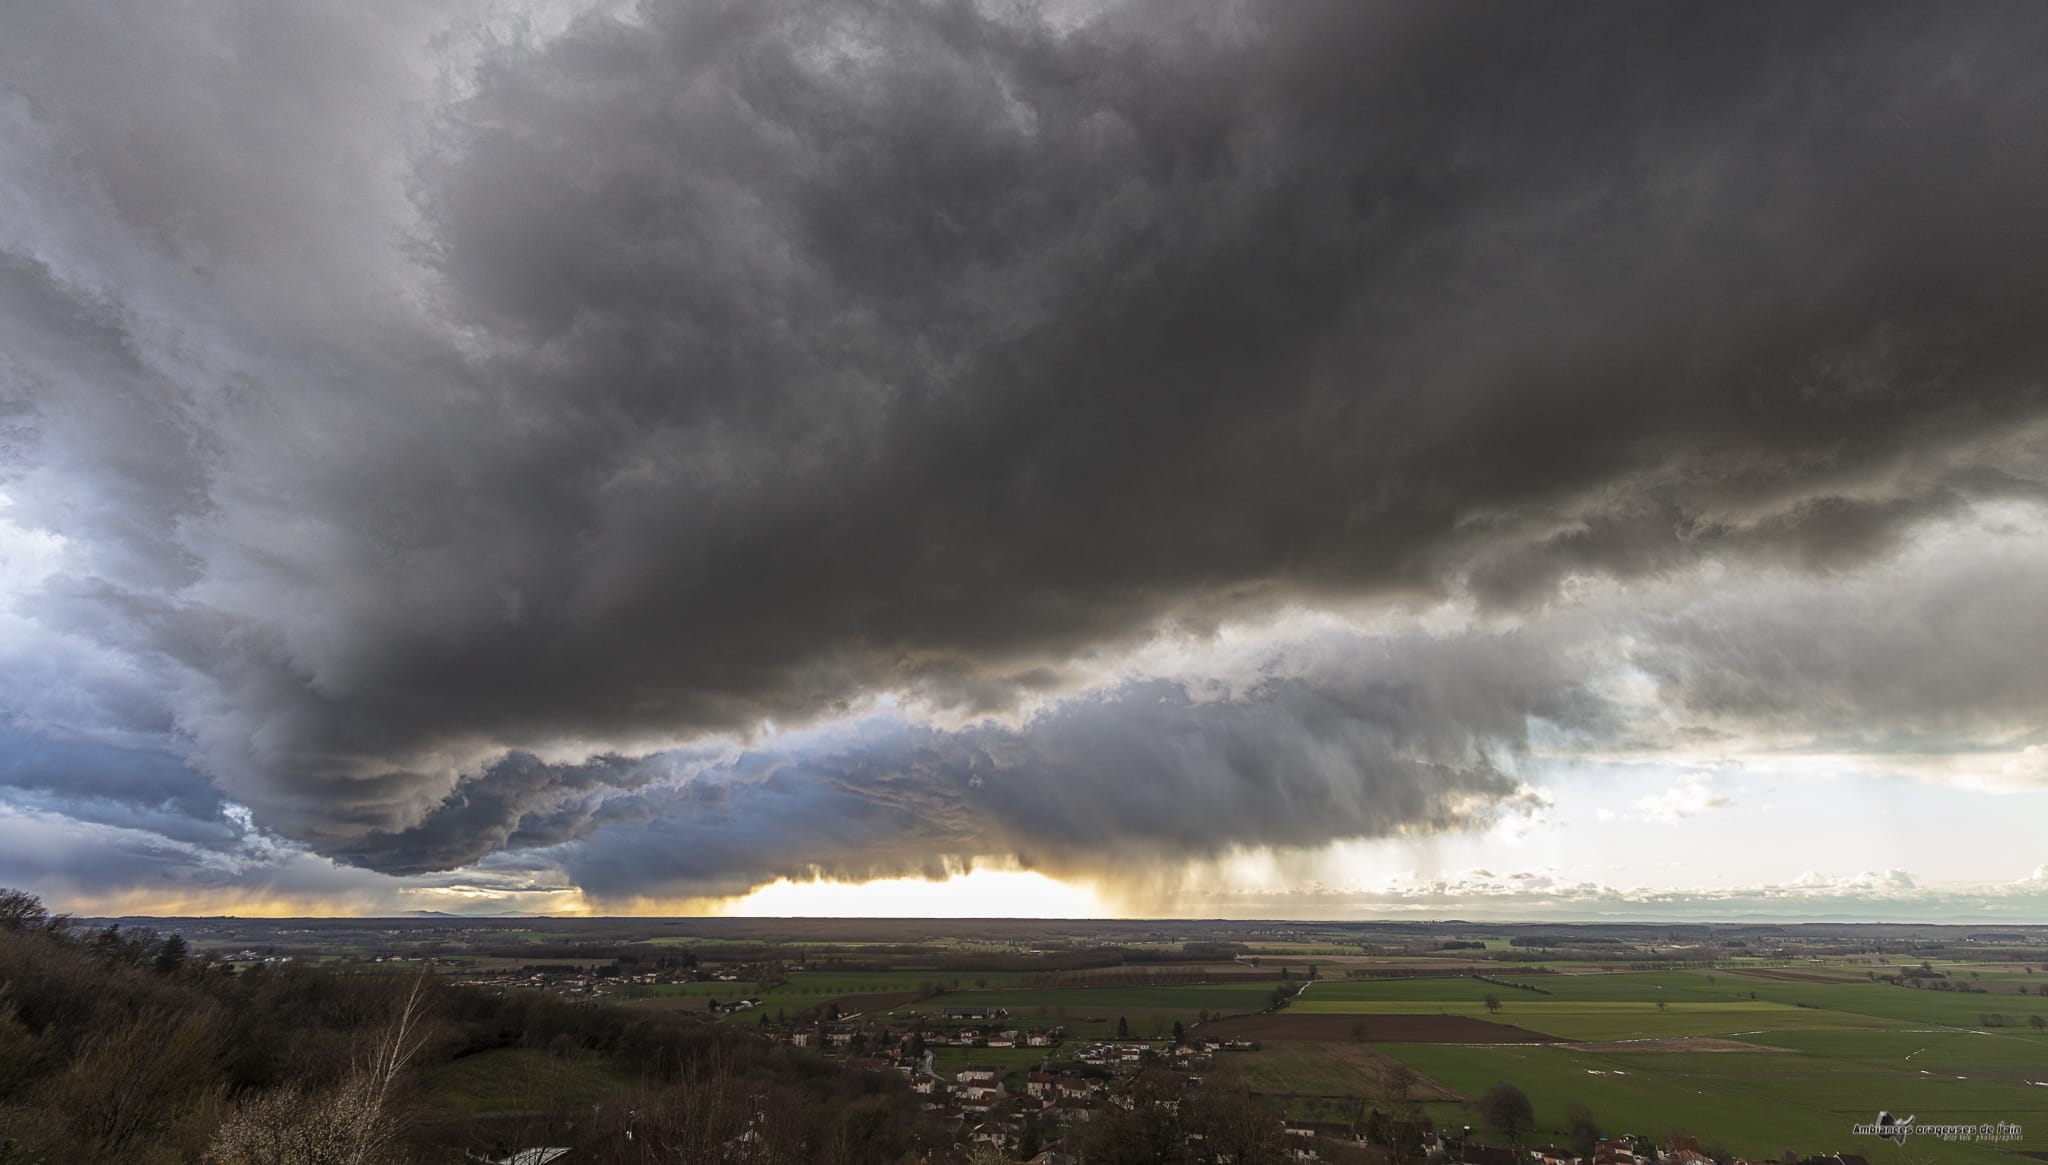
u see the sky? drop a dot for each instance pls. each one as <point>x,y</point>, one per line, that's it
<point>973,457</point>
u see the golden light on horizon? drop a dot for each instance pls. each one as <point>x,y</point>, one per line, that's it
<point>980,893</point>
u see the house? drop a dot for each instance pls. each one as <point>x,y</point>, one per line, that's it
<point>979,1074</point>
<point>1683,1150</point>
<point>1040,1084</point>
<point>978,1098</point>
<point>1042,1037</point>
<point>976,1012</point>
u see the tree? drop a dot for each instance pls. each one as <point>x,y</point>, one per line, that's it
<point>20,910</point>
<point>171,959</point>
<point>1507,1111</point>
<point>2036,1022</point>
<point>356,1122</point>
<point>1585,1133</point>
<point>1660,1005</point>
<point>1180,1034</point>
<point>1236,1126</point>
<point>1123,1028</point>
<point>1493,1004</point>
<point>1397,1091</point>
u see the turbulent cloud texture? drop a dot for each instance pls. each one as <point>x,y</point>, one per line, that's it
<point>778,437</point>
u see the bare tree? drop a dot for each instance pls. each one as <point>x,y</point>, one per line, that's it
<point>354,1123</point>
<point>1507,1111</point>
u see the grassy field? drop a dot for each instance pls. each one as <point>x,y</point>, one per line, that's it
<point>523,1080</point>
<point>1759,1104</point>
<point>1627,1005</point>
<point>805,990</point>
<point>1226,997</point>
<point>1017,1062</point>
<point>1093,1012</point>
<point>1325,1070</point>
<point>1842,1047</point>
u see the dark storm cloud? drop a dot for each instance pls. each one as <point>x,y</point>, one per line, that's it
<point>1944,655</point>
<point>1110,787</point>
<point>518,802</point>
<point>1407,733</point>
<point>733,362</point>
<point>112,787</point>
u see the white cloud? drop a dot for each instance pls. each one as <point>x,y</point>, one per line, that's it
<point>1685,799</point>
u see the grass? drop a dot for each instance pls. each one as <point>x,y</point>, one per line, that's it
<point>1854,1047</point>
<point>523,1080</point>
<point>1016,1062</point>
<point>1625,1005</point>
<point>1757,1104</point>
<point>1315,1069</point>
<point>1191,998</point>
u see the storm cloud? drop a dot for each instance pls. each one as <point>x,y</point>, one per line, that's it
<point>452,432</point>
<point>1345,740</point>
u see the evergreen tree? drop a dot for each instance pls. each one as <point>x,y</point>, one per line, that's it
<point>171,959</point>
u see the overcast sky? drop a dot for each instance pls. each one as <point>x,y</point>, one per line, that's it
<point>1319,459</point>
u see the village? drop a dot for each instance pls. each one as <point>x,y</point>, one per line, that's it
<point>1014,1107</point>
<point>1039,1115</point>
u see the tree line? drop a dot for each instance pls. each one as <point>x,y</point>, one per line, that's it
<point>118,1044</point>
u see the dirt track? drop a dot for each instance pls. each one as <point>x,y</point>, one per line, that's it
<point>864,1004</point>
<point>1376,1029</point>
<point>1672,1044</point>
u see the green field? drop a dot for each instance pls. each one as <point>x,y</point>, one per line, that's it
<point>1759,1104</point>
<point>805,990</point>
<point>1231,998</point>
<point>1849,1048</point>
<point>1620,1006</point>
<point>1093,1012</point>
<point>1016,1062</point>
<point>523,1080</point>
